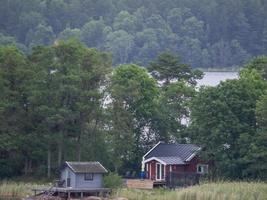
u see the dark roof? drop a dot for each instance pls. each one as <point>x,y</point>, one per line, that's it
<point>86,167</point>
<point>183,151</point>
<point>171,160</point>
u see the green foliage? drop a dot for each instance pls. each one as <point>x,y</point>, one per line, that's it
<point>93,34</point>
<point>65,102</point>
<point>51,100</point>
<point>259,64</point>
<point>223,120</point>
<point>120,43</point>
<point>112,180</point>
<point>189,29</point>
<point>133,93</point>
<point>167,68</point>
<point>172,109</point>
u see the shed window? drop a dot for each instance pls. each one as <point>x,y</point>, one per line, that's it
<point>88,176</point>
<point>202,169</point>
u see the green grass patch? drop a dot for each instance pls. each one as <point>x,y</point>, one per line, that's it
<point>207,191</point>
<point>17,189</point>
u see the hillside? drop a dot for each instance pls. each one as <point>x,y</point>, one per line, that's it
<point>205,33</point>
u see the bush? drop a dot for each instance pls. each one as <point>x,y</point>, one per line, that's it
<point>112,180</point>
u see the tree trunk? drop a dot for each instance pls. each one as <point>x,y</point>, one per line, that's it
<point>79,148</point>
<point>26,166</point>
<point>82,128</point>
<point>30,166</point>
<point>59,153</point>
<point>49,162</point>
<point>60,148</point>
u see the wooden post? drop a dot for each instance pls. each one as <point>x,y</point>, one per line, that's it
<point>48,162</point>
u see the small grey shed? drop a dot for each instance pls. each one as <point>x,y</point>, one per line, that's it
<point>82,174</point>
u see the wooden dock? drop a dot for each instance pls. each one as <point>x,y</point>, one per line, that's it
<point>143,184</point>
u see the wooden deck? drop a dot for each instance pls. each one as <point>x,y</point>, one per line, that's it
<point>143,184</point>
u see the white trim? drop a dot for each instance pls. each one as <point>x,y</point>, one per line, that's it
<point>70,166</point>
<point>193,155</point>
<point>150,171</point>
<point>152,149</point>
<point>102,166</point>
<point>66,177</point>
<point>160,172</point>
<point>202,167</point>
<point>154,158</point>
<point>164,167</point>
<point>158,164</point>
<point>143,165</point>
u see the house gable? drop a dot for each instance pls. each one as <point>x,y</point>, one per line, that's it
<point>184,151</point>
<point>74,174</point>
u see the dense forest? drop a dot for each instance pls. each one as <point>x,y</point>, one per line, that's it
<point>105,80</point>
<point>205,33</point>
<point>66,102</point>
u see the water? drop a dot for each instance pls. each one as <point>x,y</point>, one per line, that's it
<point>214,78</point>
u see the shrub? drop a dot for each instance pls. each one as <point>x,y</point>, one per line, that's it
<point>112,180</point>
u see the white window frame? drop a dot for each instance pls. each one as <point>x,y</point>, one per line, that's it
<point>202,166</point>
<point>160,171</point>
<point>88,176</point>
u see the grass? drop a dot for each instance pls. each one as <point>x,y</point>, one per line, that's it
<point>17,189</point>
<point>208,191</point>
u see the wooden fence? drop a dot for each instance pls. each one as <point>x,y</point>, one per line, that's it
<point>181,179</point>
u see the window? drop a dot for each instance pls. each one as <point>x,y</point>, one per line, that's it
<point>88,176</point>
<point>202,169</point>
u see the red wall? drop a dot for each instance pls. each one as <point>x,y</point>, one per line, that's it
<point>153,170</point>
<point>178,168</point>
<point>190,167</point>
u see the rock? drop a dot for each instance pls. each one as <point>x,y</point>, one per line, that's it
<point>43,197</point>
<point>92,198</point>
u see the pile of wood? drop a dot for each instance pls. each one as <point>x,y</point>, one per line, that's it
<point>139,184</point>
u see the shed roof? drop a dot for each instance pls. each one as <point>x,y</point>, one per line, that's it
<point>168,151</point>
<point>86,167</point>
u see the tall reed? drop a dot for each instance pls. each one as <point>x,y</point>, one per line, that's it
<point>208,191</point>
<point>17,189</point>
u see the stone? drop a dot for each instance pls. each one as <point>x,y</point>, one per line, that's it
<point>92,198</point>
<point>121,198</point>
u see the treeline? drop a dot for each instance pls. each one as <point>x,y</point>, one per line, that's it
<point>205,33</point>
<point>66,102</point>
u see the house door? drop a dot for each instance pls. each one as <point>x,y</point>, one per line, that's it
<point>68,182</point>
<point>68,179</point>
<point>159,171</point>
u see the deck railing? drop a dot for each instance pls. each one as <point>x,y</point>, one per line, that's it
<point>181,179</point>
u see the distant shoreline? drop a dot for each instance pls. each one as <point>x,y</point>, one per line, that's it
<point>230,69</point>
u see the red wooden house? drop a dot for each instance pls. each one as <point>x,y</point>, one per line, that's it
<point>164,159</point>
